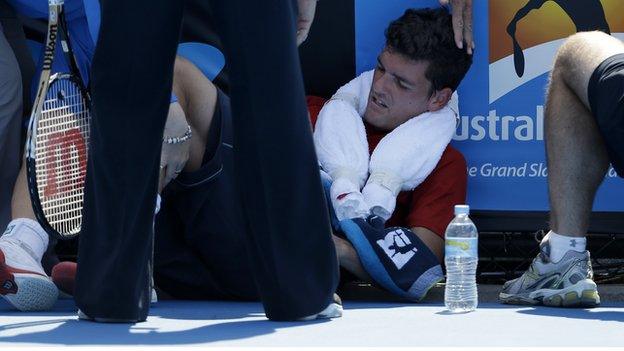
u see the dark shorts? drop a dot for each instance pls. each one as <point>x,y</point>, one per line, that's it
<point>606,100</point>
<point>200,248</point>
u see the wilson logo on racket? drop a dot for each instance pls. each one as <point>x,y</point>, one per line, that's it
<point>9,287</point>
<point>67,155</point>
<point>49,49</point>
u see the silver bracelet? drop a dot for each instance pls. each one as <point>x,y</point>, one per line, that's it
<point>179,139</point>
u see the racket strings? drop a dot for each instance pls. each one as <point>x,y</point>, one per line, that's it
<point>61,152</point>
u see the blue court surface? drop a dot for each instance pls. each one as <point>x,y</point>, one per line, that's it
<point>365,323</point>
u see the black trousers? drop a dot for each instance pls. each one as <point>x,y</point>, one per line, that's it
<point>288,230</point>
<point>14,33</point>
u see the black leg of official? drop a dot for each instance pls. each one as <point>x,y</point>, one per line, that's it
<point>131,84</point>
<point>290,245</point>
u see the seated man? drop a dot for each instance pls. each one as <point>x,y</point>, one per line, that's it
<point>584,124</point>
<point>200,241</point>
<point>416,75</point>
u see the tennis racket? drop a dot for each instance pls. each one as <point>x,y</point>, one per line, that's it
<point>58,137</point>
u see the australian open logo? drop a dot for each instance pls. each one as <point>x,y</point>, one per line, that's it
<point>524,36</point>
<point>48,54</point>
<point>398,247</point>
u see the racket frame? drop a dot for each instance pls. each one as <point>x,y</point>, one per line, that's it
<point>57,34</point>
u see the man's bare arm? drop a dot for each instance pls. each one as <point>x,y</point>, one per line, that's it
<point>349,259</point>
<point>197,96</point>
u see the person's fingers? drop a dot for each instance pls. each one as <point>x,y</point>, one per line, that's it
<point>172,172</point>
<point>457,11</point>
<point>161,177</point>
<point>182,166</point>
<point>168,176</point>
<point>307,10</point>
<point>444,2</point>
<point>468,36</point>
<point>302,35</point>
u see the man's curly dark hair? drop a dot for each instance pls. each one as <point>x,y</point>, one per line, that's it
<point>427,35</point>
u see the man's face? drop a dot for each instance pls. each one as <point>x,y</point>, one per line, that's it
<point>399,92</point>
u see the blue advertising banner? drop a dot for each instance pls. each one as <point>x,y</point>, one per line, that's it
<point>501,132</point>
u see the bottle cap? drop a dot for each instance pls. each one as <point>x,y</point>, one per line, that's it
<point>462,209</point>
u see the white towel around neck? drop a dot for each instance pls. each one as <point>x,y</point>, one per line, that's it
<point>401,161</point>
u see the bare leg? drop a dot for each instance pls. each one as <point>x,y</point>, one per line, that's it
<point>21,206</point>
<point>434,242</point>
<point>576,154</point>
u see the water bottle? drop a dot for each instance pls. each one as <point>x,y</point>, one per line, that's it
<point>461,257</point>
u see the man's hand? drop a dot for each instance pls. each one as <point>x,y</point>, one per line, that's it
<point>174,156</point>
<point>307,8</point>
<point>461,11</point>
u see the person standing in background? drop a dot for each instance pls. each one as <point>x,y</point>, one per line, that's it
<point>10,117</point>
<point>277,174</point>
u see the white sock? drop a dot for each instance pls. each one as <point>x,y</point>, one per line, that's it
<point>28,232</point>
<point>560,244</point>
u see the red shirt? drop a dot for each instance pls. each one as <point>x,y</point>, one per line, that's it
<point>431,204</point>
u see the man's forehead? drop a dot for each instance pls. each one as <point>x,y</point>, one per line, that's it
<point>390,54</point>
<point>410,70</point>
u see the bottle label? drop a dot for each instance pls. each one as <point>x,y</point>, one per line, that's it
<point>461,247</point>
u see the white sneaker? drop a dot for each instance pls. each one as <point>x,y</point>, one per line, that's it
<point>333,310</point>
<point>23,283</point>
